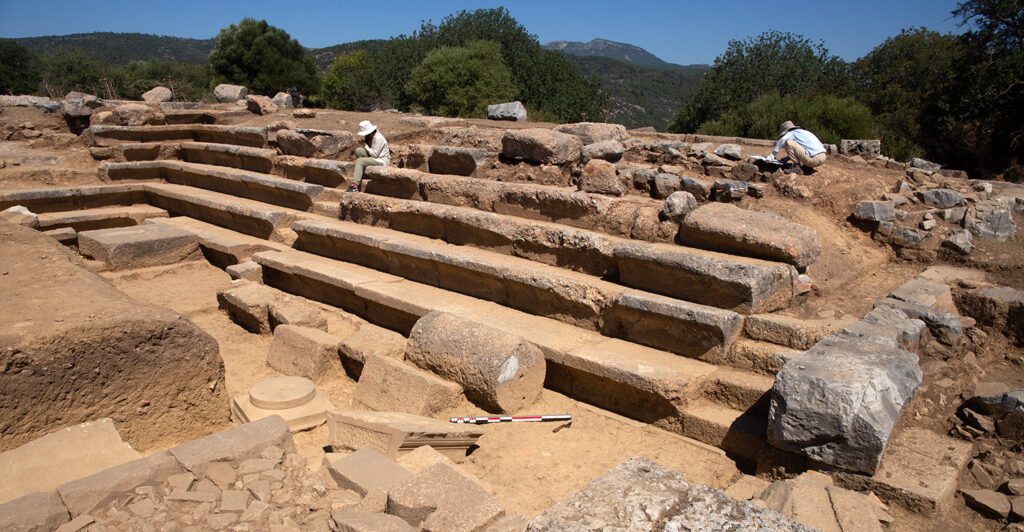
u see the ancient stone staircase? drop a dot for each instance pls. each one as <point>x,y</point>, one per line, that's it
<point>627,322</point>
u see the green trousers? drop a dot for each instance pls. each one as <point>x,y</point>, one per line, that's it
<point>363,160</point>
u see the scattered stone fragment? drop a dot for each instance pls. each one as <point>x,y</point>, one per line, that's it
<point>875,211</point>
<point>261,105</point>
<point>728,190</point>
<point>917,162</point>
<point>990,221</point>
<point>959,240</point>
<point>21,216</point>
<point>356,520</point>
<point>234,501</point>
<point>988,503</point>
<point>730,151</point>
<point>442,499</point>
<point>1015,486</point>
<point>222,474</point>
<point>364,470</point>
<point>678,205</point>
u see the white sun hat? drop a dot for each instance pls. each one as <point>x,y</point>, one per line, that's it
<point>365,128</point>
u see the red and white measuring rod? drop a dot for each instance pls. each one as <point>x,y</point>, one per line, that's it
<point>482,420</point>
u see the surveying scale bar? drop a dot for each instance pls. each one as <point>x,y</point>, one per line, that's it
<point>482,420</point>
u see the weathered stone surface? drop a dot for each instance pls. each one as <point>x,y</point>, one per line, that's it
<point>329,146</point>
<point>666,323</point>
<point>287,310</point>
<point>137,114</point>
<point>19,215</point>
<point>641,495</point>
<point>804,499</point>
<point>248,303</point>
<point>988,503</point>
<point>664,185</point>
<point>837,403</point>
<point>235,444</point>
<point>1007,409</point>
<point>875,211</point>
<point>507,111</point>
<point>387,384</point>
<point>990,221</point>
<point>942,198</point>
<point>728,190</point>
<point>294,143</point>
<point>458,161</point>
<point>863,147</point>
<point>599,177</point>
<point>608,150</point>
<point>541,146</point>
<point>157,95</point>
<point>364,470</point>
<point>356,520</point>
<point>226,93</point>
<point>725,227</point>
<point>959,240</point>
<point>498,371</point>
<point>917,162</point>
<point>907,237</point>
<point>371,340</point>
<point>943,325</point>
<point>304,352</point>
<point>83,495</point>
<point>700,188</point>
<point>45,463</point>
<point>888,326</point>
<point>678,205</point>
<point>730,151</point>
<point>788,331</point>
<point>744,172</point>
<point>283,100</point>
<point>442,499</point>
<point>999,307</point>
<point>261,105</point>
<point>854,512</point>
<point>38,511</point>
<point>139,246</point>
<point>393,433</point>
<point>591,132</point>
<point>295,399</point>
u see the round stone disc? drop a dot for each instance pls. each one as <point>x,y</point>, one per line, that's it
<point>281,393</point>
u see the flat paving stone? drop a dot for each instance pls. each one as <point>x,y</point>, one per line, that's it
<point>139,246</point>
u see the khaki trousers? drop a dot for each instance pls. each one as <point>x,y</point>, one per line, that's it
<point>797,152</point>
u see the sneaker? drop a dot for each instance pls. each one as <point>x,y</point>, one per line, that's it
<point>353,188</point>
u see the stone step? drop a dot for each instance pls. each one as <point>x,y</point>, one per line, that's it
<point>100,217</point>
<point>113,135</point>
<point>221,247</point>
<point>252,185</point>
<point>630,379</point>
<point>242,157</point>
<point>579,299</point>
<point>326,172</point>
<point>740,390</point>
<point>245,216</point>
<point>736,283</point>
<point>753,355</point>
<point>40,200</point>
<point>734,431</point>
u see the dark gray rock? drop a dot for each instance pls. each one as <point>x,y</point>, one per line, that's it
<point>907,237</point>
<point>642,178</point>
<point>711,159</point>
<point>960,241</point>
<point>507,111</point>
<point>609,150</point>
<point>1006,409</point>
<point>730,151</point>
<point>990,221</point>
<point>678,205</point>
<point>864,148</point>
<point>700,188</point>
<point>837,403</point>
<point>928,166</point>
<point>744,172</point>
<point>727,190</point>
<point>887,326</point>
<point>875,211</point>
<point>921,291</point>
<point>664,185</point>
<point>663,146</point>
<point>641,495</point>
<point>943,325</point>
<point>988,503</point>
<point>458,161</point>
<point>954,215</point>
<point>942,198</point>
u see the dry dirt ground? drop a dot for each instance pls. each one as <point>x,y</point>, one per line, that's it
<point>531,466</point>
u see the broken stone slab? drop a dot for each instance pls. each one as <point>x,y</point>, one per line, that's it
<point>442,499</point>
<point>395,433</point>
<point>364,470</point>
<point>761,234</point>
<point>303,352</point>
<point>295,399</point>
<point>458,161</point>
<point>139,246</point>
<point>990,221</point>
<point>67,454</point>
<point>837,403</point>
<point>292,142</point>
<point>788,331</point>
<point>925,292</point>
<point>65,235</point>
<point>805,500</point>
<point>959,240</point>
<point>296,311</point>
<point>157,95</point>
<point>387,384</point>
<point>498,371</point>
<point>727,190</point>
<point>917,162</point>
<point>599,177</point>
<point>746,488</point>
<point>19,215</point>
<point>514,111</point>
<point>261,105</point>
<point>85,494</point>
<point>854,511</point>
<point>248,303</point>
<point>591,132</point>
<point>239,443</point>
<point>988,503</point>
<point>944,325</point>
<point>356,520</point>
<point>888,326</point>
<point>541,146</point>
<point>43,510</point>
<point>942,198</point>
<point>700,188</point>
<point>227,93</point>
<point>425,457</point>
<point>641,495</point>
<point>875,211</point>
<point>1007,409</point>
<point>371,340</point>
<point>730,151</point>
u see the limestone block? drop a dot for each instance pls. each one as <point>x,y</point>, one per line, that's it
<point>226,93</point>
<point>442,499</point>
<point>247,270</point>
<point>371,340</point>
<point>541,146</point>
<point>235,444</point>
<point>730,151</point>
<point>837,403</point>
<point>387,384</point>
<point>591,132</point>
<point>875,211</point>
<point>42,510</point>
<point>942,198</point>
<point>394,433</point>
<point>83,495</point>
<point>283,100</point>
<point>804,500</point>
<point>990,221</point>
<point>21,216</point>
<point>295,399</point>
<point>507,111</point>
<point>608,150</point>
<point>498,371</point>
<point>303,351</point>
<point>261,105</point>
<point>356,520</point>
<point>888,326</point>
<point>294,143</point>
<point>157,95</point>
<point>364,470</point>
<point>664,185</point>
<point>288,310</point>
<point>139,246</point>
<point>944,325</point>
<point>249,304</point>
<point>458,161</point>
<point>728,228</point>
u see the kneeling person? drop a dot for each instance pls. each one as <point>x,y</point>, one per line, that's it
<point>375,152</point>
<point>801,146</point>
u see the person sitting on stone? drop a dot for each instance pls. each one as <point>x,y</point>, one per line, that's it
<point>375,152</point>
<point>802,148</point>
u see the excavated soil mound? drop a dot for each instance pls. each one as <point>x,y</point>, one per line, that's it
<point>73,348</point>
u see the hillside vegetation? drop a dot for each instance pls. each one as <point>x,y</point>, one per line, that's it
<point>123,48</point>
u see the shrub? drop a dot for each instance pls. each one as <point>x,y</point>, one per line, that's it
<point>461,81</point>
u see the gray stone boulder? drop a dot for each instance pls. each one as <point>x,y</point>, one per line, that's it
<point>599,177</point>
<point>907,237</point>
<point>608,150</point>
<point>498,371</point>
<point>157,95</point>
<point>329,146</point>
<point>875,211</point>
<point>888,326</point>
<point>664,185</point>
<point>727,228</point>
<point>959,241</point>
<point>942,198</point>
<point>292,142</point>
<point>728,190</point>
<point>700,188</point>
<point>260,105</point>
<point>138,114</point>
<point>78,104</point>
<point>641,495</point>
<point>283,100</point>
<point>678,205</point>
<point>541,146</point>
<point>837,402</point>
<point>864,148</point>
<point>927,166</point>
<point>227,93</point>
<point>507,111</point>
<point>732,152</point>
<point>591,132</point>
<point>944,325</point>
<point>990,220</point>
<point>458,161</point>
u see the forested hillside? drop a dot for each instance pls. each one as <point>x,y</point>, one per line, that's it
<point>123,48</point>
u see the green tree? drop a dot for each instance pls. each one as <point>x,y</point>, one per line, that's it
<point>263,58</point>
<point>71,70</point>
<point>18,74</point>
<point>350,84</point>
<point>461,81</point>
<point>830,118</point>
<point>772,62</point>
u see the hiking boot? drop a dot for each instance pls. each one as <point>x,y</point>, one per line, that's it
<point>353,188</point>
<point>794,169</point>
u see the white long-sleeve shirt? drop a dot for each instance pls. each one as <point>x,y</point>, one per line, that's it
<point>379,149</point>
<point>805,138</point>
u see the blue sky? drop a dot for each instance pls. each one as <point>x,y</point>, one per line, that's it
<point>680,32</point>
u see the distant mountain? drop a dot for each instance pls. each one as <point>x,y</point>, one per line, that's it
<point>123,48</point>
<point>615,50</point>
